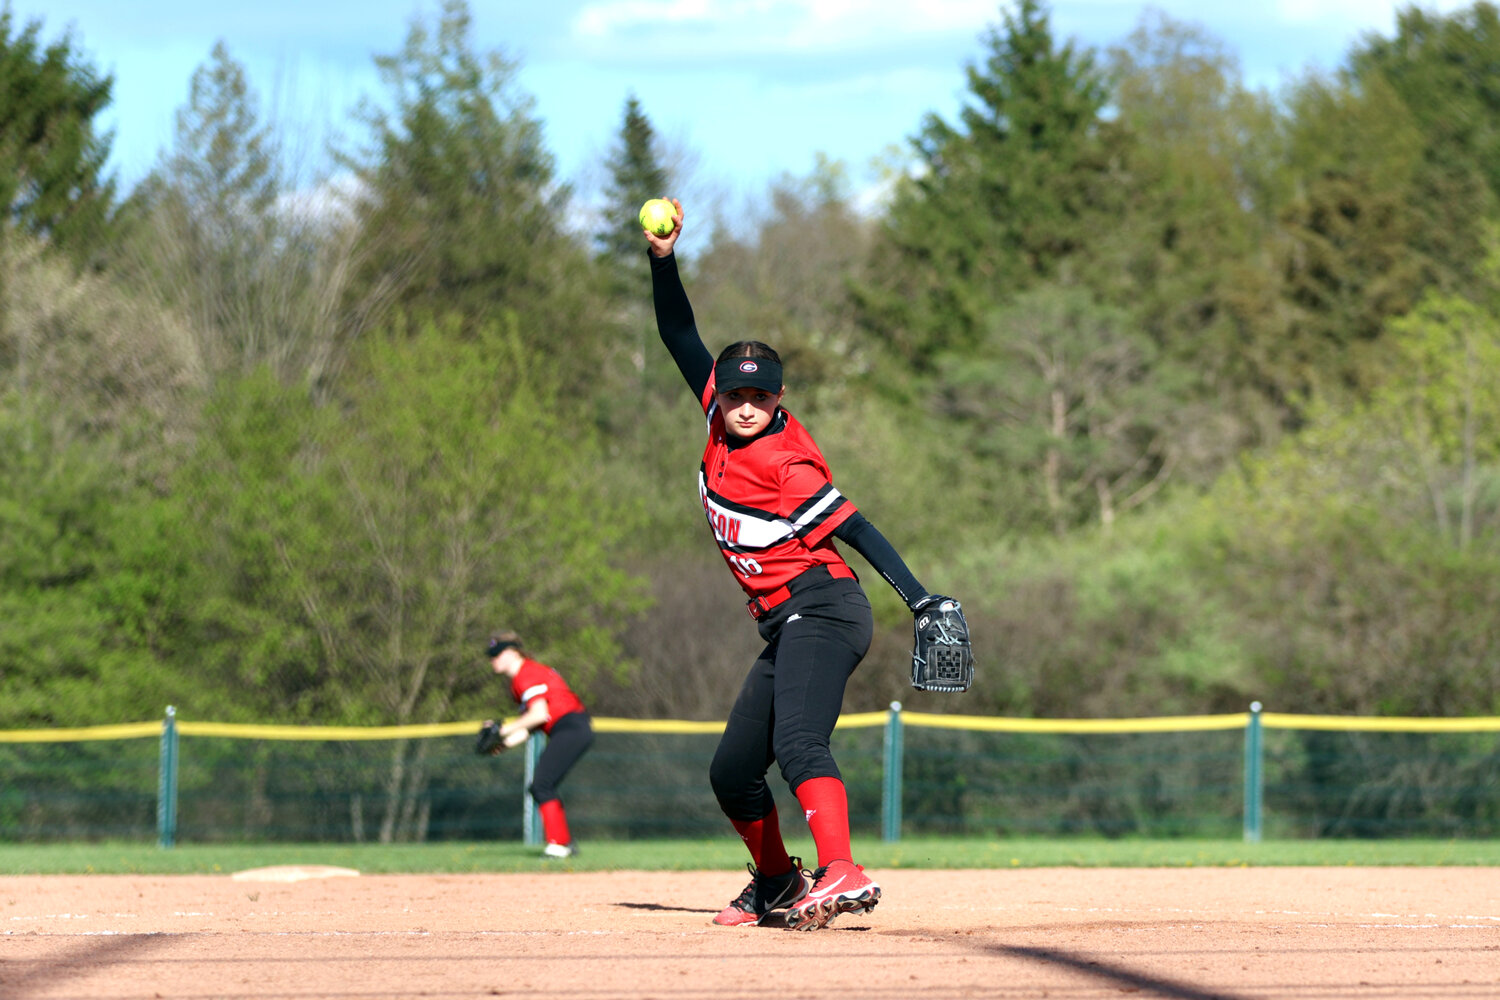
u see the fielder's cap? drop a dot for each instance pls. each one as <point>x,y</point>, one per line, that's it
<point>500,642</point>
<point>747,373</point>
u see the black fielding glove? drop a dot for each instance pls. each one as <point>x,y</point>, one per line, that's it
<point>490,740</point>
<point>941,659</point>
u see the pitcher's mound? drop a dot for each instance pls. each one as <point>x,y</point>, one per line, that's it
<point>292,873</point>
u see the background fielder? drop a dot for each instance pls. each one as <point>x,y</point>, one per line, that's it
<point>548,704</point>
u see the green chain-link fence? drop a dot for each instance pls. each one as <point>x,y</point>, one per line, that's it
<point>1247,774</point>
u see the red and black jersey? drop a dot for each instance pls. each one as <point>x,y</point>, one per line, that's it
<point>537,680</point>
<point>770,502</point>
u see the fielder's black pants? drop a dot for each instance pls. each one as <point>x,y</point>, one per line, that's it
<point>787,707</point>
<point>571,736</point>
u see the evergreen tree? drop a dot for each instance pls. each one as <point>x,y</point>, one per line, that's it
<point>52,158</point>
<point>635,174</point>
<point>207,235</point>
<point>1007,197</point>
<point>206,211</point>
<point>222,162</point>
<point>1443,68</point>
<point>458,210</point>
<point>1349,256</point>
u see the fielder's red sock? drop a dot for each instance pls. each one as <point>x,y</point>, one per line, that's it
<point>763,838</point>
<point>826,804</point>
<point>554,822</point>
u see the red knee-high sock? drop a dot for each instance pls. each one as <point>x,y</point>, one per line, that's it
<point>763,838</point>
<point>554,822</point>
<point>827,807</point>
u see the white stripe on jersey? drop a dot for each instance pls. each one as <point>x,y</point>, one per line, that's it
<point>739,529</point>
<point>535,691</point>
<point>817,509</point>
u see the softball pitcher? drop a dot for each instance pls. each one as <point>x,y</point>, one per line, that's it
<point>774,512</point>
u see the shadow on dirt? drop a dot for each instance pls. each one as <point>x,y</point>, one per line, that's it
<point>1125,978</point>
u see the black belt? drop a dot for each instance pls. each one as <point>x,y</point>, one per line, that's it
<point>761,606</point>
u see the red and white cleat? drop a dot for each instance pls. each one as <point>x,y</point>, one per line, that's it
<point>838,887</point>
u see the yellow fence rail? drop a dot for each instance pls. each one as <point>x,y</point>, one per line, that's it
<point>895,722</point>
<point>861,720</point>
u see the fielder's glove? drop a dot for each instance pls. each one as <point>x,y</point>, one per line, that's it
<point>490,741</point>
<point>941,659</point>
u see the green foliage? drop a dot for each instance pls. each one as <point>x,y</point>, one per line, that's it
<point>1349,260</point>
<point>1009,196</point>
<point>104,360</point>
<point>1442,68</point>
<point>86,563</point>
<point>787,283</point>
<point>254,515</point>
<point>223,161</point>
<point>1250,339</point>
<point>1340,594</point>
<point>1066,395</point>
<point>635,175</point>
<point>476,503</point>
<point>457,209</point>
<point>208,238</point>
<point>1206,179</point>
<point>1091,625</point>
<point>357,553</point>
<point>1444,409</point>
<point>52,158</point>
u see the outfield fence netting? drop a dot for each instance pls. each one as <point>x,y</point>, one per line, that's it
<point>652,783</point>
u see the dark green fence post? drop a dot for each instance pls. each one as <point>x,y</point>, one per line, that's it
<point>166,782</point>
<point>531,820</point>
<point>890,813</point>
<point>1254,777</point>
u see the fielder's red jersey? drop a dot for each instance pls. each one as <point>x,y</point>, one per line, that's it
<point>771,504</point>
<point>537,680</point>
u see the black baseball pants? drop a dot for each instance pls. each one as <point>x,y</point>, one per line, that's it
<point>571,736</point>
<point>791,699</point>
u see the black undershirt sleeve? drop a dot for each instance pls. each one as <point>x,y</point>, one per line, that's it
<point>674,321</point>
<point>864,538</point>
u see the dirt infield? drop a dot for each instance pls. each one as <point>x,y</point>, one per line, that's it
<point>1070,934</point>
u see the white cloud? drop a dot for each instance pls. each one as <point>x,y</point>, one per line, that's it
<point>326,203</point>
<point>780,25</point>
<point>602,19</point>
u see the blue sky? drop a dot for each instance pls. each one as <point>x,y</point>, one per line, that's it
<point>742,90</point>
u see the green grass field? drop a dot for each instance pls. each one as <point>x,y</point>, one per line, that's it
<point>727,853</point>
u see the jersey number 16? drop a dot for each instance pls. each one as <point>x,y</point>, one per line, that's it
<point>746,565</point>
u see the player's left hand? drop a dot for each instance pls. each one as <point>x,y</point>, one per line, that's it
<point>941,658</point>
<point>490,740</point>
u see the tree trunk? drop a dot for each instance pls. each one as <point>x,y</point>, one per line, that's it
<point>1053,467</point>
<point>394,782</point>
<point>1106,504</point>
<point>1467,490</point>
